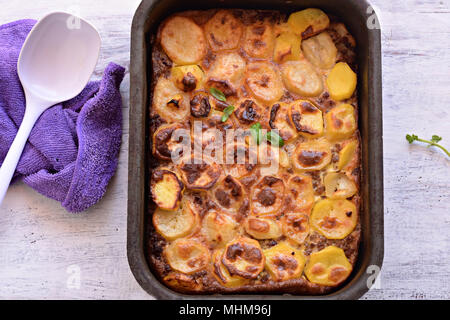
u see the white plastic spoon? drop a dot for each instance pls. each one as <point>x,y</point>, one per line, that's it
<point>55,64</point>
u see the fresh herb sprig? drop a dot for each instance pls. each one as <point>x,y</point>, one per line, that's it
<point>433,142</point>
<point>227,113</point>
<point>271,136</point>
<point>219,95</point>
<point>255,130</point>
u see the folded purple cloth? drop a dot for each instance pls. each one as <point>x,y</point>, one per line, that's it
<point>72,152</point>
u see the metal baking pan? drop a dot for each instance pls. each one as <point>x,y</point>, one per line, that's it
<point>355,14</point>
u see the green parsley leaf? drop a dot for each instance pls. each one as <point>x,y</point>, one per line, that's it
<point>227,113</point>
<point>256,132</point>
<point>219,95</point>
<point>274,139</point>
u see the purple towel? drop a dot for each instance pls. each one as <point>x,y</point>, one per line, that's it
<point>72,152</point>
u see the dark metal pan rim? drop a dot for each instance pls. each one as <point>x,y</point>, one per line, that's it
<point>355,14</point>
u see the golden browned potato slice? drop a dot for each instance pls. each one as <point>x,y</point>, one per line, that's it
<point>328,267</point>
<point>272,159</point>
<point>199,174</point>
<point>167,189</point>
<point>284,262</point>
<point>307,118</point>
<point>295,226</point>
<point>338,185</point>
<point>226,72</point>
<point>300,188</point>
<point>243,257</point>
<point>183,40</point>
<point>264,81</point>
<point>320,50</point>
<point>187,255</point>
<point>248,111</point>
<point>340,122</point>
<point>335,219</point>
<point>300,78</point>
<point>228,66</point>
<point>287,47</point>
<point>223,31</point>
<point>219,228</point>
<point>240,161</point>
<point>187,78</point>
<point>312,155</point>
<point>175,224</point>
<point>221,273</point>
<point>346,154</point>
<point>280,120</point>
<point>181,280</point>
<point>229,194</point>
<point>164,144</point>
<point>267,195</point>
<point>259,40</point>
<point>341,81</point>
<point>308,22</point>
<point>169,102</point>
<point>262,228</point>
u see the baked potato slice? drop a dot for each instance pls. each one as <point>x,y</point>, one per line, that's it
<point>187,255</point>
<point>320,50</point>
<point>240,161</point>
<point>328,267</point>
<point>259,40</point>
<point>287,47</point>
<point>243,257</point>
<point>308,22</point>
<point>267,195</point>
<point>219,228</point>
<point>284,262</point>
<point>300,78</point>
<point>187,78</point>
<point>307,118</point>
<point>340,122</point>
<point>221,273</point>
<point>199,174</point>
<point>164,143</point>
<point>229,194</point>
<point>295,226</point>
<point>169,102</point>
<point>223,31</point>
<point>175,224</point>
<point>262,228</point>
<point>280,120</point>
<point>341,81</point>
<point>347,153</point>
<point>338,185</point>
<point>334,219</point>
<point>226,73</point>
<point>300,189</point>
<point>183,40</point>
<point>167,189</point>
<point>264,81</point>
<point>311,155</point>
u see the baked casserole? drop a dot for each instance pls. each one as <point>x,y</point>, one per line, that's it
<point>276,209</point>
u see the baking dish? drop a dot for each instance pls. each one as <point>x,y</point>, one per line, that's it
<point>354,15</point>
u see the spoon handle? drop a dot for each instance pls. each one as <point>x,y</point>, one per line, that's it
<point>12,158</point>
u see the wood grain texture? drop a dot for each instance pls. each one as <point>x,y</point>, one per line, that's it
<point>40,243</point>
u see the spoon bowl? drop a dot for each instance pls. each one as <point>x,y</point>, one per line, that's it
<point>55,63</point>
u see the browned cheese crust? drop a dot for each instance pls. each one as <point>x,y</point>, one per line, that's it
<point>239,220</point>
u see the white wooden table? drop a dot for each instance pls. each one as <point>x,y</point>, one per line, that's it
<point>43,248</point>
